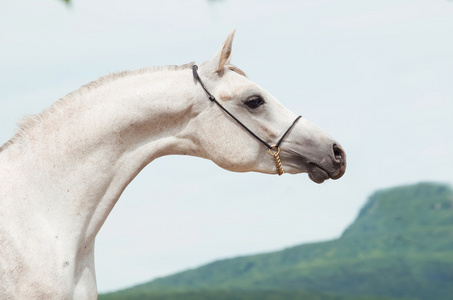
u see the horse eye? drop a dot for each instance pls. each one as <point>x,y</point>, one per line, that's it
<point>254,101</point>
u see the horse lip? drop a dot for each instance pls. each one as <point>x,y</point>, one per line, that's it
<point>322,174</point>
<point>317,171</point>
<point>319,167</point>
<point>336,174</point>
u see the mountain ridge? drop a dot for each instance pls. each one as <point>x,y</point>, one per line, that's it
<point>399,247</point>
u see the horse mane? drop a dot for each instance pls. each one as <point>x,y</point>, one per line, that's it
<point>30,121</point>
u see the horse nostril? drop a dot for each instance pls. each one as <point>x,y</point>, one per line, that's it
<point>339,161</point>
<point>338,153</point>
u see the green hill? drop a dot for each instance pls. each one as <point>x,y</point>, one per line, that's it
<point>399,247</point>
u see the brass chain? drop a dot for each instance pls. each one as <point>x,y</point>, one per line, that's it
<point>278,163</point>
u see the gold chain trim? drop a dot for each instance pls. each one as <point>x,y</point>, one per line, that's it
<point>278,163</point>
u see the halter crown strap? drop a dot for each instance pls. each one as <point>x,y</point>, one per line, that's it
<point>197,77</point>
<point>212,98</point>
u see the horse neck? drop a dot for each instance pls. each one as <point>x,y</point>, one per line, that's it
<point>73,165</point>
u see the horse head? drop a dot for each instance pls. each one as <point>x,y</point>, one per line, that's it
<point>238,134</point>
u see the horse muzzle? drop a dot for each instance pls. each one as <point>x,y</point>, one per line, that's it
<point>331,167</point>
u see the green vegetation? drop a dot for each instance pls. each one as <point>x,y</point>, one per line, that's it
<point>230,295</point>
<point>400,247</point>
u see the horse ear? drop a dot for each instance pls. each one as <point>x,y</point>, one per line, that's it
<point>223,56</point>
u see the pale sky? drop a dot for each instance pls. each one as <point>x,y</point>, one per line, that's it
<point>376,75</point>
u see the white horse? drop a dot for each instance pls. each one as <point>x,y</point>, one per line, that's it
<point>65,169</point>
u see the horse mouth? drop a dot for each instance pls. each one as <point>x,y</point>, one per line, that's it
<point>318,174</point>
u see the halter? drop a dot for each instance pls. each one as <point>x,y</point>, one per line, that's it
<point>274,150</point>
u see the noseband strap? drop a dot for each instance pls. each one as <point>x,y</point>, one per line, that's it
<point>274,153</point>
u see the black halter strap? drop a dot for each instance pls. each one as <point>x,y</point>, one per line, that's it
<point>212,98</point>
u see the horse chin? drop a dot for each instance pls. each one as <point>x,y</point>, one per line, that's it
<point>318,175</point>
<point>300,165</point>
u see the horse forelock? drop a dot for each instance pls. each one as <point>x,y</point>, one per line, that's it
<point>236,69</point>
